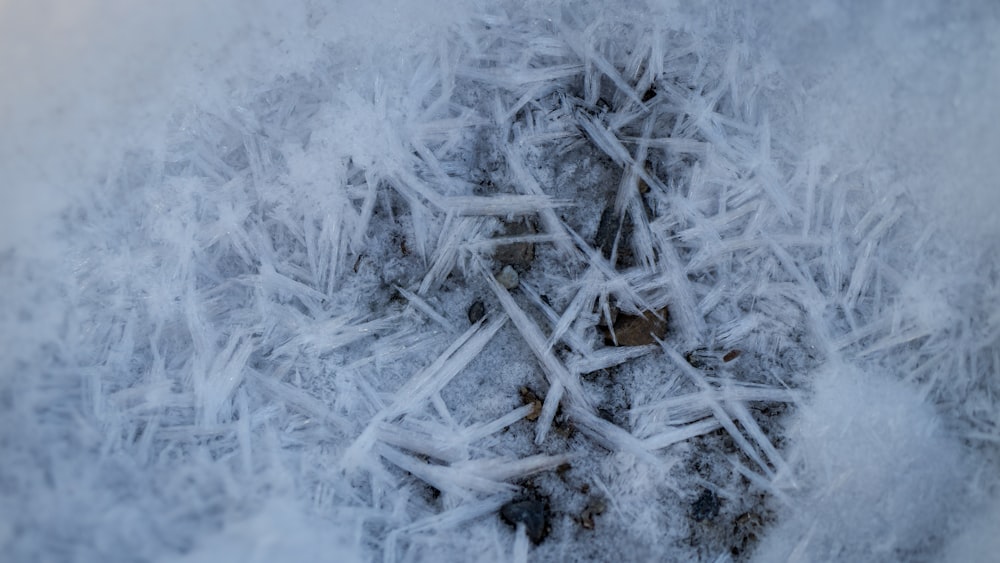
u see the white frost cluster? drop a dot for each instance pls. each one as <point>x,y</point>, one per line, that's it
<point>377,285</point>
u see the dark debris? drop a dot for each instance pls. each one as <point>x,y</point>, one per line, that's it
<point>534,514</point>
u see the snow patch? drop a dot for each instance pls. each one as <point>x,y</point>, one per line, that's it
<point>874,473</point>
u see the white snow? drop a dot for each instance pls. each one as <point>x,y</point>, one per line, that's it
<point>240,243</point>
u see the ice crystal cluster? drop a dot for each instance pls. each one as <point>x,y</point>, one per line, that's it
<point>505,281</point>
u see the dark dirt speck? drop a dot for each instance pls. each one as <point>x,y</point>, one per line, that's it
<point>476,312</point>
<point>705,507</point>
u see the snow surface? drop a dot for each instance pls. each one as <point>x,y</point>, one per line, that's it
<point>241,242</point>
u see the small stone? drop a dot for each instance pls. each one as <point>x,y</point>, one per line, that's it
<point>528,397</point>
<point>638,330</point>
<point>612,228</point>
<point>476,312</point>
<point>520,254</point>
<point>532,513</point>
<point>607,229</point>
<point>508,277</point>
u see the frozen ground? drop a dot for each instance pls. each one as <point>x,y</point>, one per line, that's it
<point>251,309</point>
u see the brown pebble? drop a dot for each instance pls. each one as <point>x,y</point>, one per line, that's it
<point>639,330</point>
<point>529,397</point>
<point>520,254</point>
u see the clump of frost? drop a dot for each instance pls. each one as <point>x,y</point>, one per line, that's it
<point>280,531</point>
<point>978,539</point>
<point>875,472</point>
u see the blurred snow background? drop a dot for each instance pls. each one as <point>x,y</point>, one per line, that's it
<point>241,243</point>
